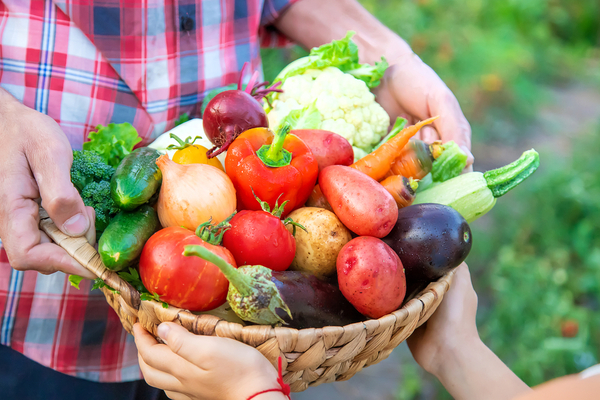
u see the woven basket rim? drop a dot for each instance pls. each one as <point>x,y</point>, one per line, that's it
<point>445,279</point>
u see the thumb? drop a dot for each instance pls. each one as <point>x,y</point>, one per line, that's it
<point>182,342</point>
<point>50,164</point>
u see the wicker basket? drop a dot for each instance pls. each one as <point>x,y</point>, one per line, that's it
<point>310,356</point>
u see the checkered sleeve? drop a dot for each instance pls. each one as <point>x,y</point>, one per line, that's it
<point>269,36</point>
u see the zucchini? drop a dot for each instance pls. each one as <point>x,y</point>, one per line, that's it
<point>136,179</point>
<point>474,194</point>
<point>124,238</point>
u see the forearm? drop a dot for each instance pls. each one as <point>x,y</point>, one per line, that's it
<point>312,23</point>
<point>474,372</point>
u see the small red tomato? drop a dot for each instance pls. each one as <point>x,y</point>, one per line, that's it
<point>186,282</point>
<point>260,238</point>
<point>569,328</point>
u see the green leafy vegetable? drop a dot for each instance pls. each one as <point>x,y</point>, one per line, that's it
<point>133,277</point>
<point>155,297</point>
<point>97,195</point>
<point>89,167</point>
<point>113,142</point>
<point>75,280</point>
<point>449,164</point>
<point>99,284</point>
<point>342,54</point>
<point>185,117</point>
<point>308,117</point>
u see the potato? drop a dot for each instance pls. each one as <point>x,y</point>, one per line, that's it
<point>317,249</point>
<point>371,276</point>
<point>329,148</point>
<point>359,201</point>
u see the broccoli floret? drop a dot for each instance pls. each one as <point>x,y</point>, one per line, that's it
<point>89,167</point>
<point>97,195</point>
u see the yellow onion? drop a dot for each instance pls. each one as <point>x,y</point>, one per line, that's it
<point>191,194</point>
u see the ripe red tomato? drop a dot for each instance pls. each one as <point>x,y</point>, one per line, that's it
<point>186,282</point>
<point>260,238</point>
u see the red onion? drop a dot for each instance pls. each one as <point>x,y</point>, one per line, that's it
<point>232,112</point>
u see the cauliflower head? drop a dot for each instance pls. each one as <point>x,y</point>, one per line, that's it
<point>346,105</point>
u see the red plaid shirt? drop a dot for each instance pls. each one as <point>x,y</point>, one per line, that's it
<point>91,62</point>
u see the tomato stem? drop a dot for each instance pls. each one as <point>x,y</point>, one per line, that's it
<point>213,234</point>
<point>242,283</point>
<point>182,144</point>
<point>275,155</point>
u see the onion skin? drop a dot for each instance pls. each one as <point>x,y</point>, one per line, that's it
<point>192,194</point>
<point>229,114</point>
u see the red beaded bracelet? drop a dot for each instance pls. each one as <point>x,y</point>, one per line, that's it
<point>285,388</point>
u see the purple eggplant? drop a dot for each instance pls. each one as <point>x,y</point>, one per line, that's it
<point>430,239</point>
<point>313,303</point>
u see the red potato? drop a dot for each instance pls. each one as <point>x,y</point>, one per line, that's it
<point>371,276</point>
<point>328,148</point>
<point>360,202</point>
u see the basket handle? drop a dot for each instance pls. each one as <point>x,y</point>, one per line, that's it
<point>88,257</point>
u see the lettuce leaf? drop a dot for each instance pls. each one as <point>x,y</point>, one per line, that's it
<point>308,117</point>
<point>113,142</point>
<point>342,54</point>
<point>75,280</point>
<point>449,164</point>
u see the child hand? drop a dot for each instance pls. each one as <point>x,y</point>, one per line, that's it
<point>194,367</point>
<point>451,327</point>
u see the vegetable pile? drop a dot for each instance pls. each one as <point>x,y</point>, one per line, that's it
<point>295,204</point>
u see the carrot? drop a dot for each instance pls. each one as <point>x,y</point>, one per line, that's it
<point>416,159</point>
<point>401,188</point>
<point>378,163</point>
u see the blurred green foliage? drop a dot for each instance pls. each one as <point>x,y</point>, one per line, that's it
<point>493,54</point>
<point>540,260</point>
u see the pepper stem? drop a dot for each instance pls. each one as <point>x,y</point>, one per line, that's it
<point>275,155</point>
<point>503,179</point>
<point>242,283</point>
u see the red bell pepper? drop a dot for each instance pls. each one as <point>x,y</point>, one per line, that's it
<point>276,167</point>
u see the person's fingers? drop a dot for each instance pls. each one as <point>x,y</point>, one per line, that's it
<point>28,248</point>
<point>160,356</point>
<point>50,160</point>
<point>193,348</point>
<point>451,124</point>
<point>429,134</point>
<point>158,379</point>
<point>91,233</point>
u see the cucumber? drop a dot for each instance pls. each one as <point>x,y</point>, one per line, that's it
<point>123,240</point>
<point>136,179</point>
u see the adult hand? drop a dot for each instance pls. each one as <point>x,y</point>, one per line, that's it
<point>451,327</point>
<point>410,88</point>
<point>35,160</point>
<point>194,367</point>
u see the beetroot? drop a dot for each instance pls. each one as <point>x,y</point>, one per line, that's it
<point>232,112</point>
